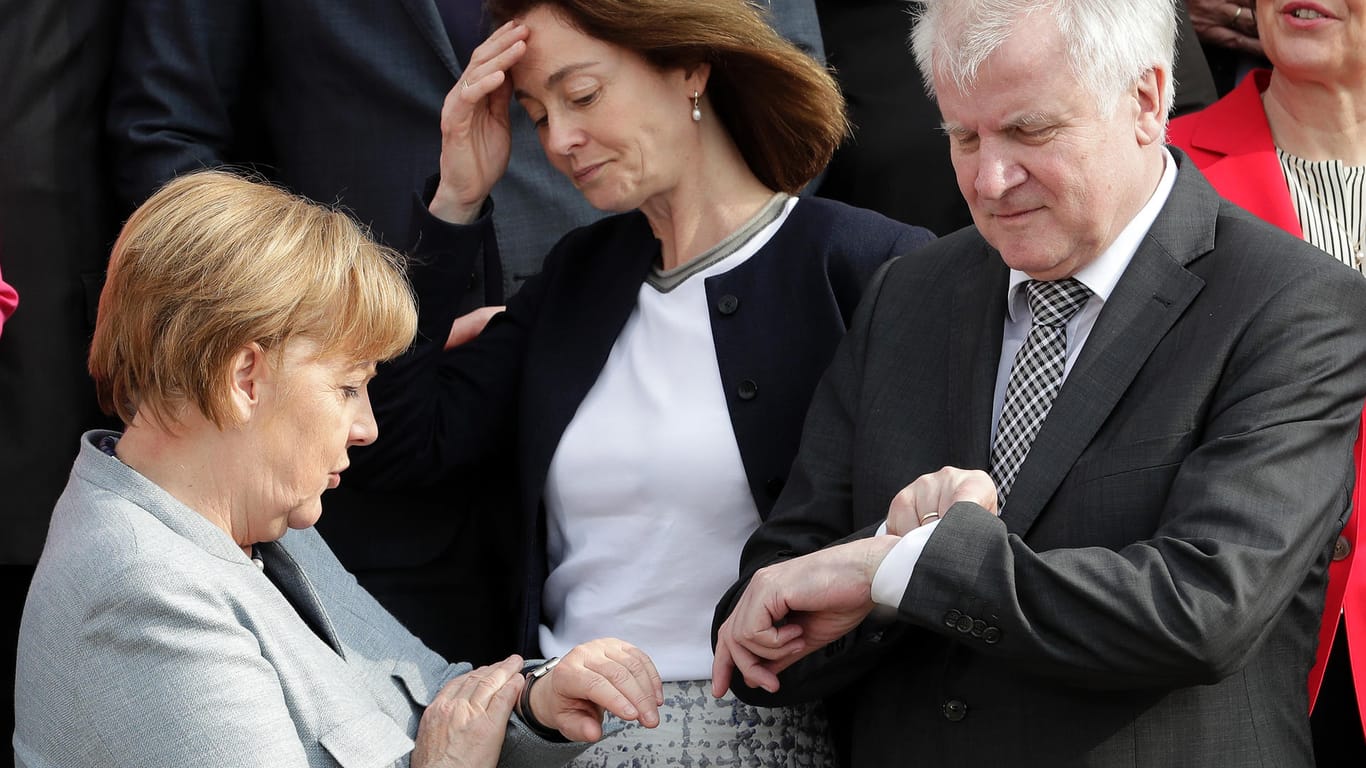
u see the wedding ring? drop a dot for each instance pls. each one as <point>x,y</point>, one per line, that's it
<point>931,517</point>
<point>1233,21</point>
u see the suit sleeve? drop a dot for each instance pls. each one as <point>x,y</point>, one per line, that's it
<point>176,680</point>
<point>817,512</point>
<point>1252,509</point>
<point>444,413</point>
<point>181,86</point>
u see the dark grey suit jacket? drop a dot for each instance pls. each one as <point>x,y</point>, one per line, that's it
<point>1152,592</point>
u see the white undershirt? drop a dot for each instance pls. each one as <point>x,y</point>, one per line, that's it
<point>647,502</point>
<point>1101,276</point>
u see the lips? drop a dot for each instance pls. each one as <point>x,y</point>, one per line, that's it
<point>587,172</point>
<point>1012,215</point>
<point>1307,12</point>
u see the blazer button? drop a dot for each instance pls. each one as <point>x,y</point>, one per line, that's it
<point>774,486</point>
<point>951,618</point>
<point>978,627</point>
<point>955,710</point>
<point>964,624</point>
<point>727,304</point>
<point>992,635</point>
<point>1342,548</point>
<point>747,390</point>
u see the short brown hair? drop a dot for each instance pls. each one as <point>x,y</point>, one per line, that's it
<point>213,262</point>
<point>782,109</point>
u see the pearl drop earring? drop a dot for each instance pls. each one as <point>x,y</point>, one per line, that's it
<point>696,107</point>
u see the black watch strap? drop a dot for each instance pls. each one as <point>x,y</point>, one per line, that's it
<point>524,703</point>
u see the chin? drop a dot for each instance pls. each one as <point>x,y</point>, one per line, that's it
<point>306,516</point>
<point>610,204</point>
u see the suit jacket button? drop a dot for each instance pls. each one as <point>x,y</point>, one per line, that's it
<point>955,710</point>
<point>951,618</point>
<point>1342,548</point>
<point>727,304</point>
<point>991,635</point>
<point>964,624</point>
<point>978,627</point>
<point>774,486</point>
<point>747,389</point>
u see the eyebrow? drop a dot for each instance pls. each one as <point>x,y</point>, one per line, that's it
<point>1030,120</point>
<point>1026,120</point>
<point>557,77</point>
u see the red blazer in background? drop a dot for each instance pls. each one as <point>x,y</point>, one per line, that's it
<point>1230,142</point>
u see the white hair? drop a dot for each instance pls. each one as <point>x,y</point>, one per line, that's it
<point>1110,43</point>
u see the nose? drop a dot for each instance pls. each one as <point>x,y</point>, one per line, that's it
<point>364,430</point>
<point>997,172</point>
<point>562,135</point>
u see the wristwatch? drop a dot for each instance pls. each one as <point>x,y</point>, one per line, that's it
<point>524,703</point>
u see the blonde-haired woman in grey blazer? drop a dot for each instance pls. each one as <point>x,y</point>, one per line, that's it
<point>184,612</point>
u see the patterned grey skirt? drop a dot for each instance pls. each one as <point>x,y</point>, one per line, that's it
<point>699,731</point>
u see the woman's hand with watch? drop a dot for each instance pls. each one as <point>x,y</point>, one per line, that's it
<point>569,694</point>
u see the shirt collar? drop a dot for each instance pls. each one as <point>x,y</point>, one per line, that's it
<point>1102,274</point>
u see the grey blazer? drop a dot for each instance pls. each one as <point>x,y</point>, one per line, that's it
<point>149,638</point>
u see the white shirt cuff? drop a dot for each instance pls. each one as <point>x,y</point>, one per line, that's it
<point>894,573</point>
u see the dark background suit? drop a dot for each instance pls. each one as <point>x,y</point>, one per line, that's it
<point>1144,599</point>
<point>341,102</point>
<point>896,161</point>
<point>775,319</point>
<point>56,227</point>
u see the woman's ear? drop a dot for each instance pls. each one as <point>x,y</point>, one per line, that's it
<point>695,77</point>
<point>246,378</point>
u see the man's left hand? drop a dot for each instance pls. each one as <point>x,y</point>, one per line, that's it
<point>929,497</point>
<point>793,608</point>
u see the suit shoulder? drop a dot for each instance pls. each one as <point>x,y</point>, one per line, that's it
<point>846,221</point>
<point>947,256</point>
<point>1242,235</point>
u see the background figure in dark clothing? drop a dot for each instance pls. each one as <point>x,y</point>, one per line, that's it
<point>55,231</point>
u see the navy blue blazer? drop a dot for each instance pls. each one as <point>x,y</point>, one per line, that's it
<point>509,394</point>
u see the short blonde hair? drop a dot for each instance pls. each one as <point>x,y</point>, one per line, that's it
<point>213,262</point>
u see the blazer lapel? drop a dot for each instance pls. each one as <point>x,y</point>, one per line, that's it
<point>428,20</point>
<point>979,316</point>
<point>1247,171</point>
<point>579,332</point>
<point>286,574</point>
<point>1150,297</point>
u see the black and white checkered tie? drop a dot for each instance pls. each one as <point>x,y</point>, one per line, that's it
<point>1036,376</point>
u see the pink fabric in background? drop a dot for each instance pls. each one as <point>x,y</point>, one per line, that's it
<point>8,301</point>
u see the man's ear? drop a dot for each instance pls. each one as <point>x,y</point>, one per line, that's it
<point>246,376</point>
<point>1149,94</point>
